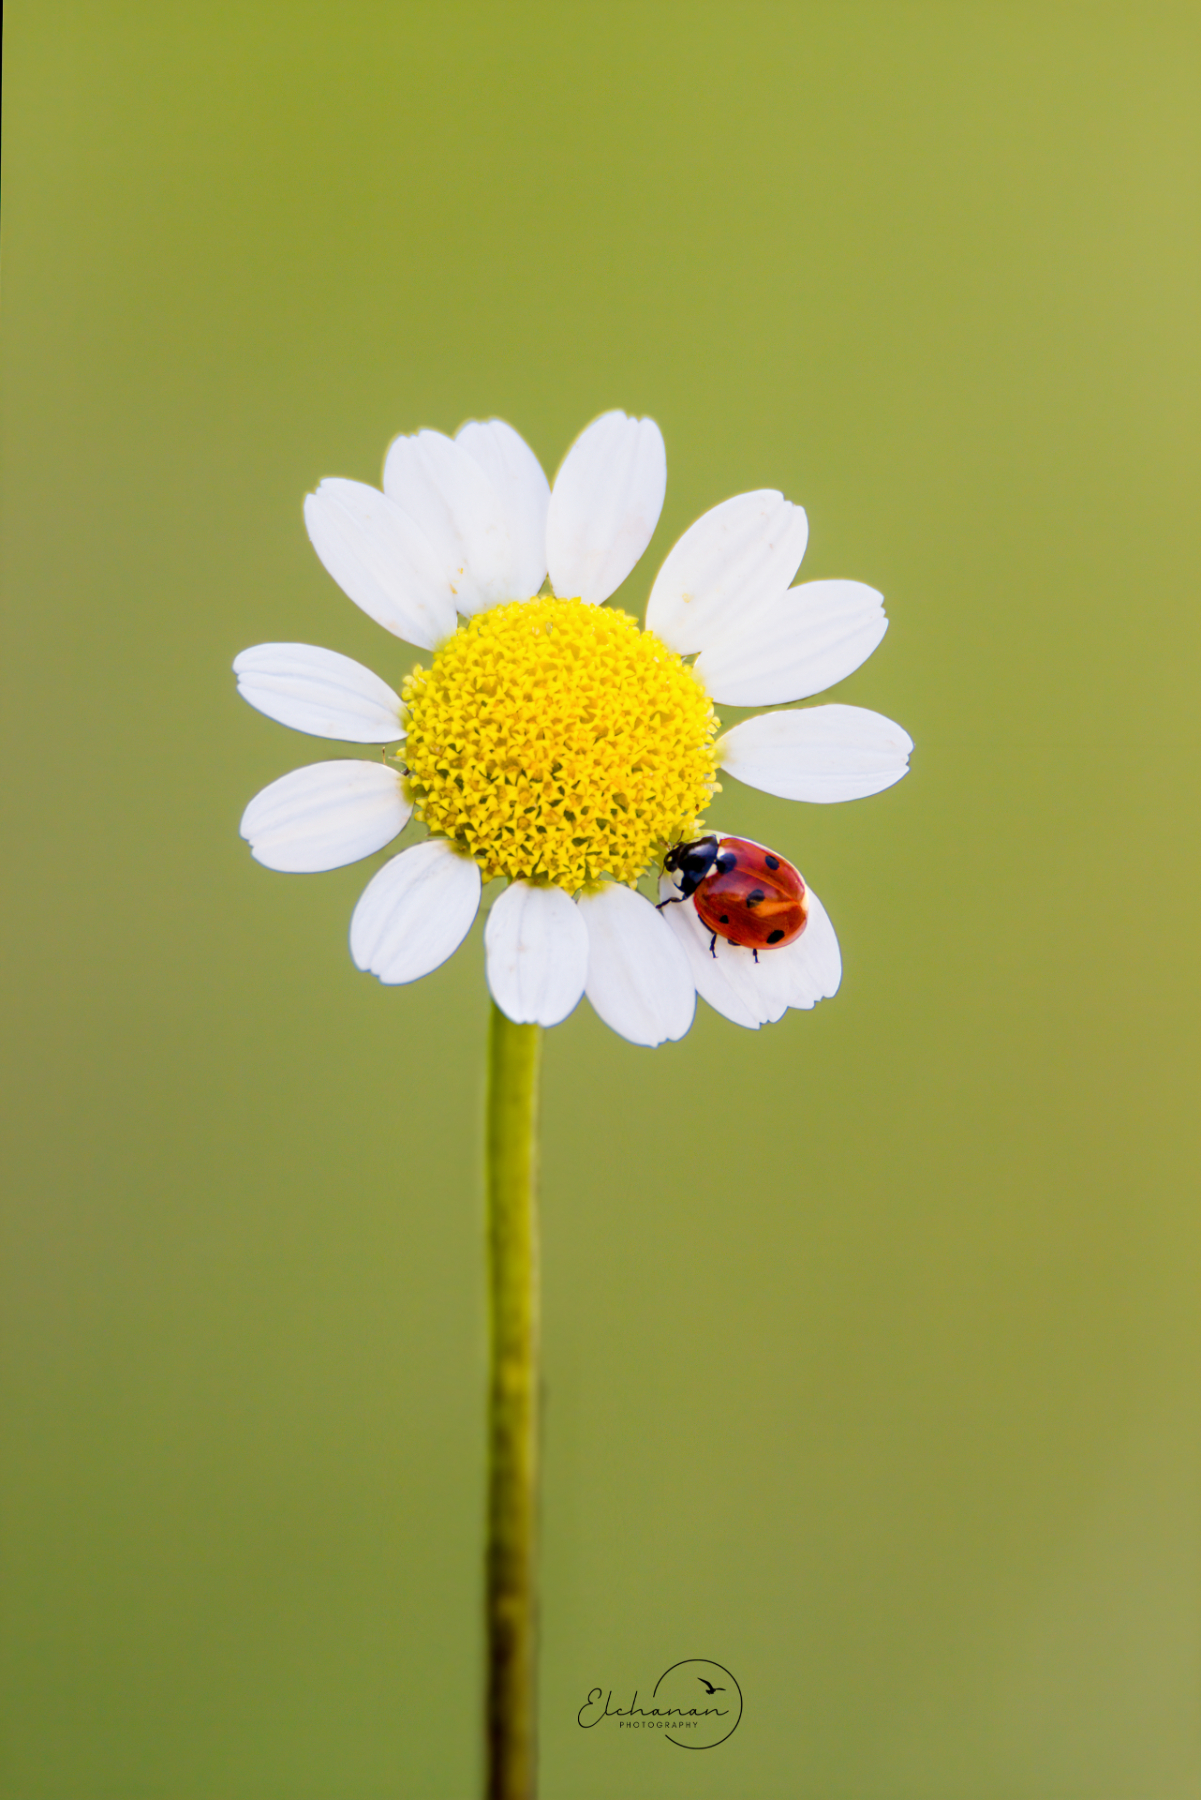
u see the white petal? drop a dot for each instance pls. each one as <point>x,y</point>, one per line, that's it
<point>415,912</point>
<point>799,644</point>
<point>320,692</point>
<point>819,753</point>
<point>537,947</point>
<point>605,505</point>
<point>378,556</point>
<point>524,492</point>
<point>734,560</point>
<point>442,486</point>
<point>758,993</point>
<point>708,973</point>
<point>638,977</point>
<point>811,968</point>
<point>324,816</point>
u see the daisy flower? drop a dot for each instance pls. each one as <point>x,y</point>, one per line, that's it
<point>554,743</point>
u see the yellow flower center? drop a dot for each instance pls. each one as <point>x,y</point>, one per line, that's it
<point>556,740</point>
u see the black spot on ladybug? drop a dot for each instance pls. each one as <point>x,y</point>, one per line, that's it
<point>773,937</point>
<point>755,896</point>
<point>773,862</point>
<point>725,918</point>
<point>726,861</point>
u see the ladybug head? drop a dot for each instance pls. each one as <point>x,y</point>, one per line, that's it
<point>692,862</point>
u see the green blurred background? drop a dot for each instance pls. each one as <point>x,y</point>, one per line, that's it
<point>870,1339</point>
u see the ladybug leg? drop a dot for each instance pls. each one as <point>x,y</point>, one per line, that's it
<point>670,901</point>
<point>754,953</point>
<point>713,946</point>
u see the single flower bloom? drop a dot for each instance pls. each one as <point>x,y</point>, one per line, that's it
<point>554,743</point>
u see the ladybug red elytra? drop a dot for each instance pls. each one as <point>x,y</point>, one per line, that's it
<point>742,892</point>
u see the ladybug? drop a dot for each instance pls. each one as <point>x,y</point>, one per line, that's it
<point>742,892</point>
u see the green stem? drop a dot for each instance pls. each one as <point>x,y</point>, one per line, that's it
<point>512,1613</point>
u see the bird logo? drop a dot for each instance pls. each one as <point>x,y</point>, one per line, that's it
<point>709,1687</point>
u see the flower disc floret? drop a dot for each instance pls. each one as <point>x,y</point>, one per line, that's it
<point>551,739</point>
